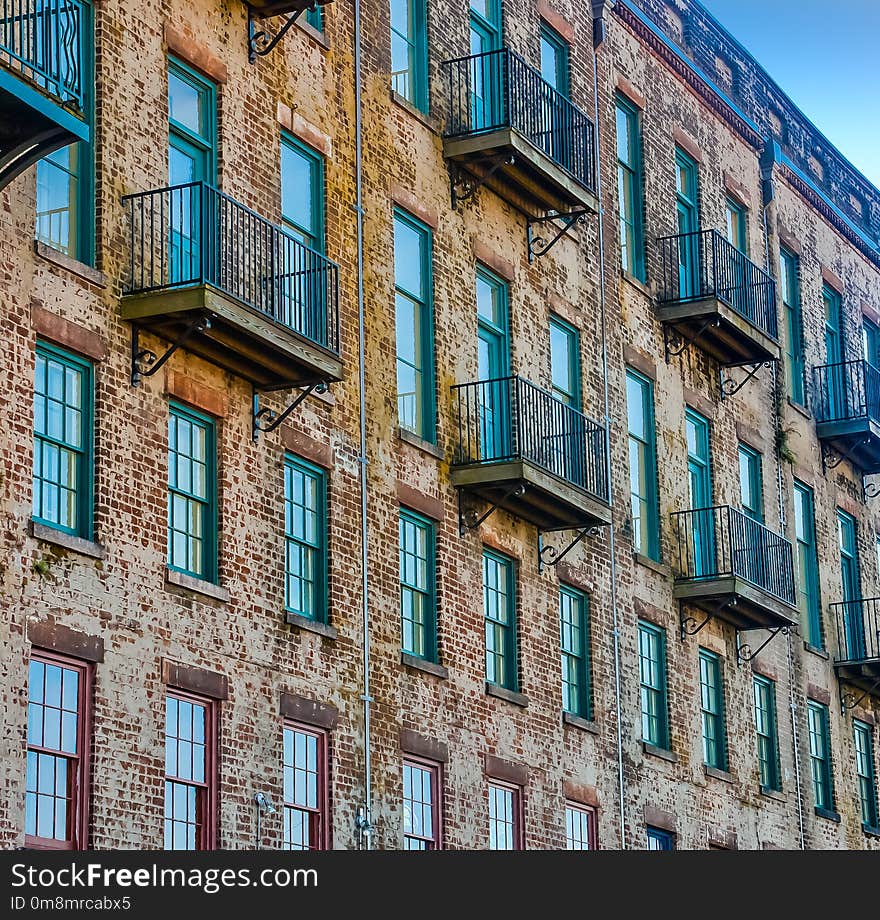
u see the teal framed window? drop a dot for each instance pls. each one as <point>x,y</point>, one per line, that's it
<point>659,839</point>
<point>795,363</point>
<point>409,51</point>
<point>565,362</point>
<point>820,756</point>
<point>767,732</point>
<point>737,218</point>
<point>643,464</point>
<point>866,772</point>
<point>499,612</point>
<point>305,539</point>
<point>871,342</point>
<point>574,627</point>
<point>418,599</point>
<point>712,711</point>
<point>416,411</point>
<point>629,189</point>
<point>652,681</point>
<point>847,533</point>
<point>192,126</point>
<point>315,18</point>
<point>192,493</point>
<point>807,564</point>
<point>751,489</point>
<point>63,441</point>
<point>302,192</point>
<point>555,54</point>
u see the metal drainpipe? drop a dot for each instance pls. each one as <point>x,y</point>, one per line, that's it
<point>598,39</point>
<point>363,823</point>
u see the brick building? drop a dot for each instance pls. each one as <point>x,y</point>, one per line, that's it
<point>454,424</point>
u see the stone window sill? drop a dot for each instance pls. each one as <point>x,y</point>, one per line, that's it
<point>803,410</point>
<point>319,36</point>
<point>510,696</point>
<point>196,585</point>
<point>715,773</point>
<point>74,266</point>
<point>660,752</point>
<point>314,626</point>
<point>67,541</point>
<point>423,445</point>
<point>814,650</point>
<point>871,831</point>
<point>427,120</point>
<point>422,664</point>
<point>659,567</point>
<point>587,725</point>
<point>776,794</point>
<point>828,814</point>
<point>637,283</point>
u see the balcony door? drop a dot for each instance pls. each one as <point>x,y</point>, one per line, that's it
<point>835,379</point>
<point>702,530</point>
<point>566,440</point>
<point>733,273</point>
<point>555,124</point>
<point>853,614</point>
<point>688,223</point>
<point>487,69</point>
<point>493,360</point>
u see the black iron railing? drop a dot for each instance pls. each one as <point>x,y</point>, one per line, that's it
<point>512,419</point>
<point>498,89</point>
<point>705,264</point>
<point>858,629</point>
<point>721,541</point>
<point>43,40</point>
<point>846,391</point>
<point>193,234</point>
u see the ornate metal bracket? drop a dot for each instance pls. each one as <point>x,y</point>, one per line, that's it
<point>744,651</point>
<point>267,419</point>
<point>870,489</point>
<point>849,700</point>
<point>674,343</point>
<point>144,362</point>
<point>261,42</point>
<point>537,245</point>
<point>689,626</point>
<point>464,185</point>
<point>470,519</point>
<point>729,387</point>
<point>832,458</point>
<point>550,555</point>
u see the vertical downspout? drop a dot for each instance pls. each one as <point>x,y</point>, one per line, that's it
<point>364,818</point>
<point>599,7</point>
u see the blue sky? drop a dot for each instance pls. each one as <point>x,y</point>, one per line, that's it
<point>825,55</point>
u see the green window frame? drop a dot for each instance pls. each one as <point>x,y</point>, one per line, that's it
<point>196,138</point>
<point>63,460</point>
<point>653,686</point>
<point>416,400</point>
<point>737,223</point>
<point>848,542</point>
<point>499,613</point>
<point>821,768</point>
<point>712,711</point>
<point>866,773</point>
<point>315,18</point>
<point>643,464</point>
<point>629,188</point>
<point>565,362</point>
<point>574,628</point>
<point>659,839</point>
<point>767,732</point>
<point>305,539</point>
<point>795,363</point>
<point>808,564</point>
<point>409,51</point>
<point>192,493</point>
<point>302,192</point>
<point>871,342</point>
<point>555,59</point>
<point>418,596</point>
<point>751,488</point>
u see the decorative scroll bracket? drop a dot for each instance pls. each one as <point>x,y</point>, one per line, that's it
<point>550,555</point>
<point>144,362</point>
<point>674,343</point>
<point>870,489</point>
<point>689,626</point>
<point>464,185</point>
<point>849,701</point>
<point>267,419</point>
<point>729,387</point>
<point>469,519</point>
<point>832,458</point>
<point>261,42</point>
<point>744,652</point>
<point>537,245</point>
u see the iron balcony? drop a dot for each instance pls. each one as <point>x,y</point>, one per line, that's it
<point>714,295</point>
<point>508,127</point>
<point>42,80</point>
<point>272,302</point>
<point>858,643</point>
<point>522,449</point>
<point>846,403</point>
<point>734,568</point>
<point>266,8</point>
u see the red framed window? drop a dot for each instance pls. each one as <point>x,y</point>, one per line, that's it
<point>580,827</point>
<point>190,772</point>
<point>58,739</point>
<point>306,802</point>
<point>422,805</point>
<point>505,816</point>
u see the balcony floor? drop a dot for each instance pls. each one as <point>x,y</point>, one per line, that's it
<point>241,340</point>
<point>748,607</point>
<point>864,674</point>
<point>858,439</point>
<point>550,503</point>
<point>534,183</point>
<point>726,336</point>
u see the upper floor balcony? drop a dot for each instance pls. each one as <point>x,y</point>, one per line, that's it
<point>716,297</point>
<point>272,303</point>
<point>42,80</point>
<point>522,449</point>
<point>735,568</point>
<point>510,129</point>
<point>846,403</point>
<point>858,643</point>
